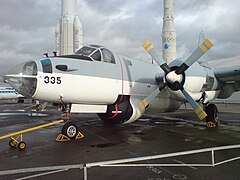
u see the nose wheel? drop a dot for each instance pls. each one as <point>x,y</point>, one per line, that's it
<point>69,131</point>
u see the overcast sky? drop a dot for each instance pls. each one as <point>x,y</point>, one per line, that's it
<point>27,26</point>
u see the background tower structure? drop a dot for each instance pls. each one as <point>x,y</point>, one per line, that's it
<point>69,32</point>
<point>168,33</point>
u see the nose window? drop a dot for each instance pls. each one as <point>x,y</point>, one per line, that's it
<point>30,68</point>
<point>23,78</point>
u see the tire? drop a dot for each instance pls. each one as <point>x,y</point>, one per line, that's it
<point>70,130</point>
<point>22,145</point>
<point>20,100</point>
<point>212,113</point>
<point>12,143</point>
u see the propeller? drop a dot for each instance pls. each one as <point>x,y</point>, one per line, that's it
<point>174,78</point>
<point>150,49</point>
<point>144,104</point>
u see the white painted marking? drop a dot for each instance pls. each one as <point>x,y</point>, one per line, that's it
<point>185,164</point>
<point>117,112</point>
<point>42,174</point>
<point>39,169</point>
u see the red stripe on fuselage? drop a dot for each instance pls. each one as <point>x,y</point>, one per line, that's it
<point>116,105</point>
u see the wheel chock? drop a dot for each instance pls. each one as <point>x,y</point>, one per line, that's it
<point>210,124</point>
<point>79,135</point>
<point>62,138</point>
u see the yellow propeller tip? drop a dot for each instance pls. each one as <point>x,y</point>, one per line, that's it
<point>202,116</point>
<point>146,43</point>
<point>208,43</point>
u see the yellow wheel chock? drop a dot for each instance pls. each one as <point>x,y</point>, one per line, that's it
<point>79,136</point>
<point>211,124</point>
<point>63,138</point>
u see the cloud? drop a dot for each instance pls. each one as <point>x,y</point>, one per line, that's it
<point>27,27</point>
<point>218,19</point>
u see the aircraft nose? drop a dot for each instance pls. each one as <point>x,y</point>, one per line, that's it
<point>23,78</point>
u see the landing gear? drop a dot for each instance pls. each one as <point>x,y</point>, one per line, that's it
<point>65,108</point>
<point>212,116</point>
<point>70,130</point>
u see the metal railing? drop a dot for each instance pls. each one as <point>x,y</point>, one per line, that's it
<point>120,163</point>
<point>123,162</point>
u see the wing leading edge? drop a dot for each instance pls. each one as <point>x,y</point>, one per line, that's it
<point>227,72</point>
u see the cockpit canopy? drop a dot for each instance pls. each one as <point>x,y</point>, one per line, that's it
<point>96,53</point>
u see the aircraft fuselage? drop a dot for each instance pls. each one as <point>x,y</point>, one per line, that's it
<point>99,82</point>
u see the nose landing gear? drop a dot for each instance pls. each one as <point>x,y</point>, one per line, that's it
<point>70,128</point>
<point>69,131</point>
<point>212,116</point>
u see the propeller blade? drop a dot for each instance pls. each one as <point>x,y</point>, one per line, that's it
<point>150,49</point>
<point>201,50</point>
<point>196,107</point>
<point>144,104</point>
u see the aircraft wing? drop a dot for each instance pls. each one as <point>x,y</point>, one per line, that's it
<point>227,71</point>
<point>228,74</point>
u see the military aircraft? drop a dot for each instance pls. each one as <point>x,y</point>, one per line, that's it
<point>121,89</point>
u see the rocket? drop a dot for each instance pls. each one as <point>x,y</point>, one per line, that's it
<point>168,33</point>
<point>69,32</point>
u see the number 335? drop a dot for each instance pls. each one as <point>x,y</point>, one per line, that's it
<point>52,80</point>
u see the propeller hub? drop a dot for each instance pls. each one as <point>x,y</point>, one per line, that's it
<point>172,77</point>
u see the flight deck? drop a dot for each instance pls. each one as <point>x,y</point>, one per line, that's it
<point>151,135</point>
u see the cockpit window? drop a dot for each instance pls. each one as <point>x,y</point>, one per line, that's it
<point>96,53</point>
<point>46,66</point>
<point>86,51</point>
<point>96,56</point>
<point>108,56</point>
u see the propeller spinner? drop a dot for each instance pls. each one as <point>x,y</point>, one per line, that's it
<point>174,78</point>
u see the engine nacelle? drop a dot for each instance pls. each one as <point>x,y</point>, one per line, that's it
<point>196,82</point>
<point>226,92</point>
<point>163,105</point>
<point>124,110</point>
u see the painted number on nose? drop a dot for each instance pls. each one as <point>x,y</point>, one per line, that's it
<point>52,80</point>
